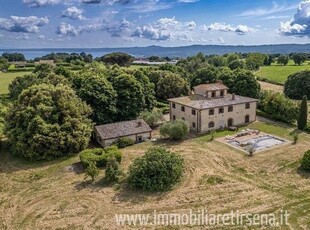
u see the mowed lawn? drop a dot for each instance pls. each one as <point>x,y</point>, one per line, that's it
<point>217,177</point>
<point>279,73</point>
<point>6,79</point>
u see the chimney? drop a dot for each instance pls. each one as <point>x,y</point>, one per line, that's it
<point>233,97</point>
<point>219,82</point>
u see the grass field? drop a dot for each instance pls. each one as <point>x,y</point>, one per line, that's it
<point>54,195</point>
<point>6,78</point>
<point>279,73</point>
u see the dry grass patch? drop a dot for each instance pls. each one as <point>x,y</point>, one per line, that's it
<point>53,196</point>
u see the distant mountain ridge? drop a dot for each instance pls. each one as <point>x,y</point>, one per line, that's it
<point>181,51</point>
<point>185,51</point>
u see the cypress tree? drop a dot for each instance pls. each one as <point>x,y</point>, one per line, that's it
<point>303,114</point>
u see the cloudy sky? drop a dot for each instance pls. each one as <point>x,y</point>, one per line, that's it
<point>122,23</point>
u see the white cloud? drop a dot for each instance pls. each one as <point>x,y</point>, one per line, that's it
<point>300,24</point>
<point>117,29</point>
<point>114,28</point>
<point>265,11</point>
<point>40,3</point>
<point>166,29</point>
<point>41,37</point>
<point>20,37</point>
<point>23,24</point>
<point>239,29</point>
<point>73,13</point>
<point>70,30</point>
<point>152,33</point>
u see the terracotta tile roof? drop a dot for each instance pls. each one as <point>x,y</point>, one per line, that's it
<point>200,102</point>
<point>210,87</point>
<point>121,129</point>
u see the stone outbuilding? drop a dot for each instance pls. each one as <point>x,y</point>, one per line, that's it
<point>136,130</point>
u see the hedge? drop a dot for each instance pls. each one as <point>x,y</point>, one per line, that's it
<point>123,142</point>
<point>100,156</point>
<point>305,162</point>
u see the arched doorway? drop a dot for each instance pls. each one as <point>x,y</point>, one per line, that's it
<point>230,122</point>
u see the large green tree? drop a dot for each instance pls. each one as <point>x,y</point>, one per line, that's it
<point>227,76</point>
<point>47,122</point>
<point>283,60</point>
<point>172,85</point>
<point>130,99</point>
<point>148,89</point>
<point>20,83</point>
<point>245,84</point>
<point>121,59</point>
<point>298,85</point>
<point>98,92</point>
<point>232,57</point>
<point>23,82</point>
<point>237,64</point>
<point>255,60</point>
<point>303,114</point>
<point>299,58</point>
<point>205,75</point>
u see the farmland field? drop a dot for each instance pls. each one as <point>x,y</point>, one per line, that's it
<point>54,195</point>
<point>278,73</point>
<point>6,79</point>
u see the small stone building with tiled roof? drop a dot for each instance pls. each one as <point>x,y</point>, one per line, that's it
<point>137,130</point>
<point>212,108</point>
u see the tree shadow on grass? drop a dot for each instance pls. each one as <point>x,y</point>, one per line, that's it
<point>10,163</point>
<point>303,173</point>
<point>128,194</point>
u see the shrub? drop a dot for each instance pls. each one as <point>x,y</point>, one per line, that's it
<point>151,117</point>
<point>100,156</point>
<point>123,142</point>
<point>113,172</point>
<point>157,170</point>
<point>175,130</point>
<point>305,162</point>
<point>91,171</point>
<point>295,138</point>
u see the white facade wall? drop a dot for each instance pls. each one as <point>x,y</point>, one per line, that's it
<point>202,117</point>
<point>221,120</point>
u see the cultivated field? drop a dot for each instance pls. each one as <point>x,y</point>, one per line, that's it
<point>6,78</point>
<point>279,73</point>
<point>219,178</point>
<point>272,87</point>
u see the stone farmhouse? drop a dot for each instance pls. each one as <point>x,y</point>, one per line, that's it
<point>137,130</point>
<point>211,108</point>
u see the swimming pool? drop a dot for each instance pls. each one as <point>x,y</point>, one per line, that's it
<point>258,143</point>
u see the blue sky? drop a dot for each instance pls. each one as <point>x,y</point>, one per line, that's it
<point>122,23</point>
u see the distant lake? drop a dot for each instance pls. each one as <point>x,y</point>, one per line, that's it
<point>33,53</point>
